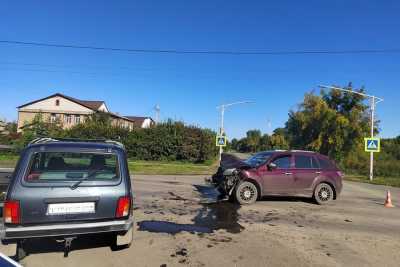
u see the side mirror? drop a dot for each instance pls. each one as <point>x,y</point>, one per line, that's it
<point>272,166</point>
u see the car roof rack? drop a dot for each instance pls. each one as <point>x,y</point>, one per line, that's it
<point>114,143</point>
<point>43,140</point>
<point>305,151</point>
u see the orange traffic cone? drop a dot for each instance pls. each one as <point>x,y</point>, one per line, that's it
<point>388,202</point>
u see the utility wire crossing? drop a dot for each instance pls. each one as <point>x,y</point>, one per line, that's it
<point>215,52</point>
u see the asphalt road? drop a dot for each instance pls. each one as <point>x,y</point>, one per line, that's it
<point>179,224</point>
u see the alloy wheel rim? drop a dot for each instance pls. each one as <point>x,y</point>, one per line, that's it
<point>247,193</point>
<point>324,194</point>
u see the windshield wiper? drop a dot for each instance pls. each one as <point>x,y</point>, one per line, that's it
<point>91,175</point>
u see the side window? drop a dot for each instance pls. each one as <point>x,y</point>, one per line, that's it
<point>326,164</point>
<point>315,163</point>
<point>304,162</point>
<point>282,162</point>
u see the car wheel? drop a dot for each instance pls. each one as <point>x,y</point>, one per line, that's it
<point>120,242</point>
<point>246,193</point>
<point>323,194</point>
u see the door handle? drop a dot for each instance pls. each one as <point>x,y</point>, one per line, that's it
<point>317,172</point>
<point>287,173</point>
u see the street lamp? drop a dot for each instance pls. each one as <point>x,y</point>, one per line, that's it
<point>374,100</point>
<point>221,129</point>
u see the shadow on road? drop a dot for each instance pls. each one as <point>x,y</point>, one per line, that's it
<point>50,245</point>
<point>287,199</point>
<point>171,228</point>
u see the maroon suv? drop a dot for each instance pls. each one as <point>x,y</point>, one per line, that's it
<point>283,173</point>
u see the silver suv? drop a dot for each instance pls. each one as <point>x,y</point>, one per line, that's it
<point>67,188</point>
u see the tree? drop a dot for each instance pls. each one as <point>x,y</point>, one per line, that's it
<point>333,123</point>
<point>278,141</point>
<point>11,127</point>
<point>253,139</point>
<point>265,143</point>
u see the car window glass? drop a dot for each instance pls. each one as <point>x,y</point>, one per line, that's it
<point>326,164</point>
<point>258,159</point>
<point>282,162</point>
<point>67,166</point>
<point>303,162</point>
<point>315,163</point>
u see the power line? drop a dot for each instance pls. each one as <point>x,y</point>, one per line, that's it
<point>215,52</point>
<point>80,66</point>
<point>58,71</point>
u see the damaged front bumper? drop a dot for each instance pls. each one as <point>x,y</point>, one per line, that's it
<point>225,181</point>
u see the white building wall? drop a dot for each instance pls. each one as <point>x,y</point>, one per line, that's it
<point>146,123</point>
<point>103,108</point>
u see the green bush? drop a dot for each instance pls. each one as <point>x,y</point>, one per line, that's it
<point>166,141</point>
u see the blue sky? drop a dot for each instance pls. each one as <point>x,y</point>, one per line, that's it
<point>189,87</point>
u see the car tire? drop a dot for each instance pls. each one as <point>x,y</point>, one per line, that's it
<point>232,198</point>
<point>323,194</point>
<point>246,193</point>
<point>20,252</point>
<point>120,242</point>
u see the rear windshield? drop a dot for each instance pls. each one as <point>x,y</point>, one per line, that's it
<point>66,166</point>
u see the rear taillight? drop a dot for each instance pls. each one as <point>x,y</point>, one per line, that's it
<point>11,212</point>
<point>123,207</point>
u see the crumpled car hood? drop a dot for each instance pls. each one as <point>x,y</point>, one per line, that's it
<point>229,161</point>
<point>229,164</point>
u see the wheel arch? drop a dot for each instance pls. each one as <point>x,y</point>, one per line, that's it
<point>331,184</point>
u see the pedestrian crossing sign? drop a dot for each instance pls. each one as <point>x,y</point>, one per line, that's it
<point>221,140</point>
<point>372,145</point>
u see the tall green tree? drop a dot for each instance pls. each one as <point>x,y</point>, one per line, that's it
<point>333,123</point>
<point>253,139</point>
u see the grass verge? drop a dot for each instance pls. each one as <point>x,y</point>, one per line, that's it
<point>171,168</point>
<point>144,167</point>
<point>8,161</point>
<point>389,181</point>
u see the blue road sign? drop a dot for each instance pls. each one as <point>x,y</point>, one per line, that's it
<point>372,145</point>
<point>221,140</point>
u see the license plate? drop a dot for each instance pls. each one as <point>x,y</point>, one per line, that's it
<point>70,208</point>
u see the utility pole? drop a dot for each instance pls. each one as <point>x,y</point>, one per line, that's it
<point>157,109</point>
<point>221,129</point>
<point>374,100</point>
<point>371,160</point>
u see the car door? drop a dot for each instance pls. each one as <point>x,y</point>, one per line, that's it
<point>306,170</point>
<point>278,180</point>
